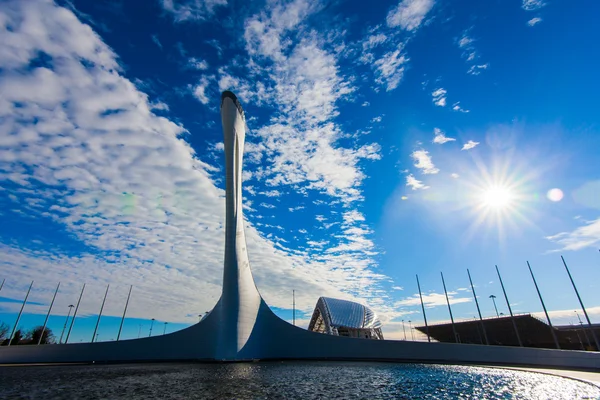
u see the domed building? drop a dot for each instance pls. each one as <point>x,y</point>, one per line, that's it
<point>345,318</point>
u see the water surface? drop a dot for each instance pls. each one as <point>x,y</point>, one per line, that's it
<point>285,380</point>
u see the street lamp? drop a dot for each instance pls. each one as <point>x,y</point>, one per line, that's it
<point>587,339</point>
<point>403,330</point>
<point>495,308</point>
<point>412,334</point>
<point>165,330</point>
<point>151,325</point>
<point>66,320</point>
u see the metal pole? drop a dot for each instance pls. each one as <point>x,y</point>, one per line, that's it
<point>66,321</point>
<point>74,315</point>
<point>494,301</point>
<point>404,330</point>
<point>582,306</point>
<point>19,316</point>
<point>294,307</point>
<point>140,331</point>
<point>100,314</point>
<point>48,315</point>
<point>512,317</point>
<point>124,311</point>
<point>2,285</point>
<point>151,325</point>
<point>449,309</point>
<point>544,307</point>
<point>478,309</point>
<point>423,308</point>
<point>165,330</point>
<point>412,334</point>
<point>587,339</point>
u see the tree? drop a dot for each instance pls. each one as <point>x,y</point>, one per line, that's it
<point>4,331</point>
<point>36,333</point>
<point>16,337</point>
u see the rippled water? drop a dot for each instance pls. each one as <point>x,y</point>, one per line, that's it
<point>285,380</point>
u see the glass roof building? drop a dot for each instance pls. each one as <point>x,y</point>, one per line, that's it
<point>345,318</point>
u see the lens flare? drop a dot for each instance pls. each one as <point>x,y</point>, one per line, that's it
<point>555,195</point>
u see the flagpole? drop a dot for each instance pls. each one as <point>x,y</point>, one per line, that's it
<point>478,309</point>
<point>544,307</point>
<point>581,303</point>
<point>423,308</point>
<point>449,309</point>
<point>124,311</point>
<point>100,314</point>
<point>48,315</point>
<point>74,314</point>
<point>19,316</point>
<point>512,317</point>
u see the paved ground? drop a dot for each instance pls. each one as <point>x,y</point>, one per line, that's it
<point>591,377</point>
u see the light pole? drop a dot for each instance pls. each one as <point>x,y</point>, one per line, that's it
<point>165,330</point>
<point>199,317</point>
<point>140,331</point>
<point>412,334</point>
<point>495,308</point>
<point>403,329</point>
<point>587,339</point>
<point>66,321</point>
<point>151,325</point>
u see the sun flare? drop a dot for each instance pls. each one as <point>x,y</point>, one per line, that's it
<point>497,197</point>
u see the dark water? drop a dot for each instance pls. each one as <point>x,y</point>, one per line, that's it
<point>285,380</point>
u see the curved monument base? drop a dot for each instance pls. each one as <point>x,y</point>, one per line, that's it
<point>274,339</point>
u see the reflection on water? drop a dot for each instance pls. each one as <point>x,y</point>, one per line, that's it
<point>285,380</point>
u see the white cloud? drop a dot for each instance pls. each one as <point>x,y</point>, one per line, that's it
<point>183,10</point>
<point>93,158</point>
<point>409,14</point>
<point>477,68</point>
<point>454,175</point>
<point>272,193</point>
<point>301,142</point>
<point>532,5</point>
<point>195,63</point>
<point>465,41</point>
<point>156,41</point>
<point>432,300</point>
<point>470,53</point>
<point>414,183</point>
<point>456,107</point>
<point>292,209</point>
<point>580,238</point>
<point>377,119</point>
<point>469,145</point>
<point>439,97</point>
<point>390,68</point>
<point>440,137</point>
<point>159,105</point>
<point>534,21</point>
<point>374,41</point>
<point>199,90</point>
<point>397,288</point>
<point>366,104</point>
<point>424,162</point>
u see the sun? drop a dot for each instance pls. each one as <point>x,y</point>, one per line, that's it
<point>497,197</point>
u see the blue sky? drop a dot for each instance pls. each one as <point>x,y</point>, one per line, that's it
<point>405,138</point>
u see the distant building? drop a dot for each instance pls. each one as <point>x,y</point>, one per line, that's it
<point>533,331</point>
<point>345,318</point>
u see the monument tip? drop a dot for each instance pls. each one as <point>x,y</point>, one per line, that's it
<point>228,94</point>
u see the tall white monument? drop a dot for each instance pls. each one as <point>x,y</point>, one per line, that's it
<point>240,300</point>
<point>241,326</point>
